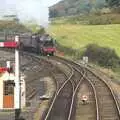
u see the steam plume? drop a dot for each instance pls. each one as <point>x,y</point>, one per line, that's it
<point>26,10</point>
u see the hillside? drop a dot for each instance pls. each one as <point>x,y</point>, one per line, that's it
<point>78,24</point>
<point>92,19</point>
<point>77,37</point>
<point>75,7</point>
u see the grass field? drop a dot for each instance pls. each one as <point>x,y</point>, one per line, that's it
<point>78,36</point>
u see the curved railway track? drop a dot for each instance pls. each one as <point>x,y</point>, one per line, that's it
<point>34,68</point>
<point>63,87</point>
<point>63,103</point>
<point>69,80</point>
<point>106,104</point>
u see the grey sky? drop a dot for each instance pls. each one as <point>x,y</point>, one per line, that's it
<point>27,9</point>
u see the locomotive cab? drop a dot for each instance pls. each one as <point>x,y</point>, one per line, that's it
<point>47,45</point>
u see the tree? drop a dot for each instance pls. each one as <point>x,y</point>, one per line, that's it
<point>53,13</point>
<point>41,30</point>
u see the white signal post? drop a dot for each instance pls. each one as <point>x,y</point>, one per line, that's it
<point>17,77</point>
<point>11,44</point>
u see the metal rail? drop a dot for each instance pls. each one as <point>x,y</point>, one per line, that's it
<point>96,95</point>
<point>83,73</point>
<point>110,90</point>
<point>75,83</point>
<point>107,86</point>
<point>58,92</point>
<point>75,88</point>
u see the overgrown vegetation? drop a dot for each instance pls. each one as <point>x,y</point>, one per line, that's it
<point>104,19</point>
<point>78,7</point>
<point>78,23</point>
<point>102,55</point>
<point>75,7</point>
<point>12,26</point>
<point>93,19</point>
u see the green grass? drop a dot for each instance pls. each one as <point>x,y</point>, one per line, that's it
<point>78,36</point>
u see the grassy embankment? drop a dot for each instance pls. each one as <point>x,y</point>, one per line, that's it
<point>74,36</point>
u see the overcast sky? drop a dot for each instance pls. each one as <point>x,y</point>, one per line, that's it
<point>27,9</point>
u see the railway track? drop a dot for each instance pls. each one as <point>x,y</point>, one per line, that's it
<point>108,108</point>
<point>37,68</point>
<point>63,102</point>
<point>27,63</point>
<point>103,100</point>
<point>70,78</point>
<point>34,69</point>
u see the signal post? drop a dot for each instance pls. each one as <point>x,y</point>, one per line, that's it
<point>17,76</point>
<point>15,45</point>
<point>17,81</point>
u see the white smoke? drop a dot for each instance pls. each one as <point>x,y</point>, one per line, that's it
<point>36,10</point>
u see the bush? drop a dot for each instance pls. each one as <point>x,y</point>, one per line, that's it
<point>12,26</point>
<point>95,18</point>
<point>104,19</point>
<point>103,56</point>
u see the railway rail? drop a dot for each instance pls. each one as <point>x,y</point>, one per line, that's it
<point>107,103</point>
<point>69,79</point>
<point>65,95</point>
<point>34,69</point>
<point>104,99</point>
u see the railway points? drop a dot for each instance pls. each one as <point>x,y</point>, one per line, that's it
<point>72,82</point>
<point>96,115</point>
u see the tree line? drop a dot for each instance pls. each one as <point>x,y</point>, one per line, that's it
<point>77,7</point>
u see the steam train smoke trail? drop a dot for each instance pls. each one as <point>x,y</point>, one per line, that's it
<point>32,10</point>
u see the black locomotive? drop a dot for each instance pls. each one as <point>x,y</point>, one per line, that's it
<point>41,44</point>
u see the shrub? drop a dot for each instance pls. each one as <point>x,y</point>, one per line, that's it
<point>103,56</point>
<point>104,19</point>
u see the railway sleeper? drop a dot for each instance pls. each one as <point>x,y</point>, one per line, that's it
<point>109,118</point>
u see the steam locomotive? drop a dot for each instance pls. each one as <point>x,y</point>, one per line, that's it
<point>41,44</point>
